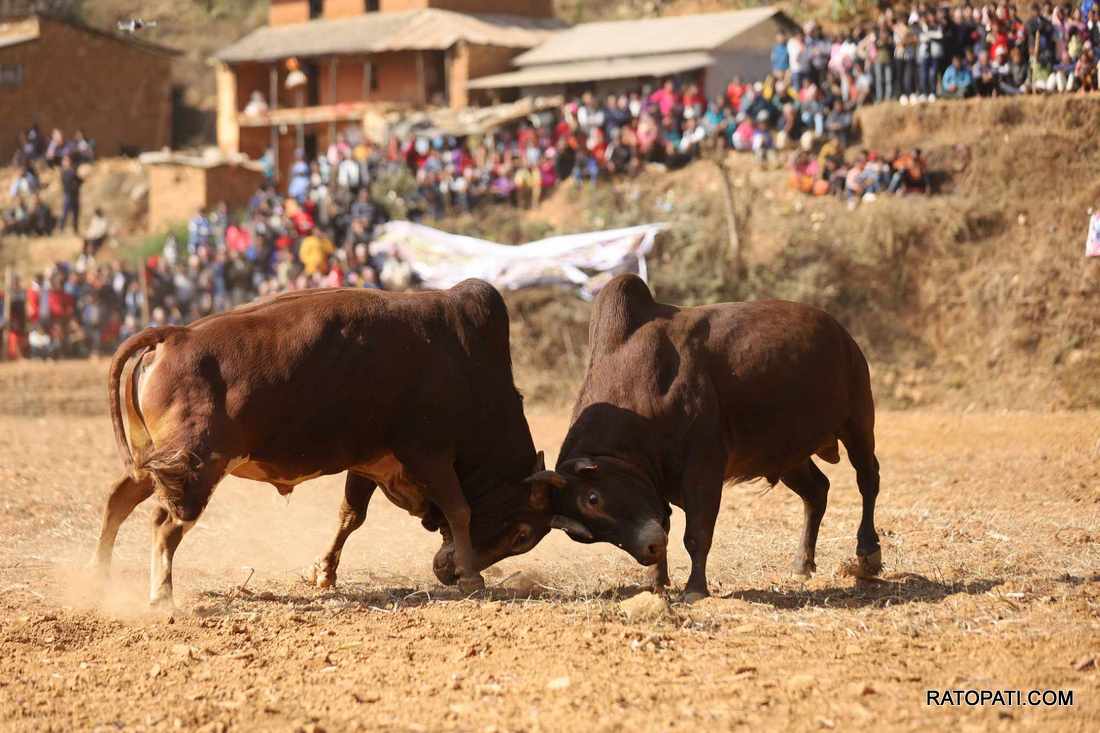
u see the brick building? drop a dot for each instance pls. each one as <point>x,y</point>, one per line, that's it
<point>180,185</point>
<point>70,76</point>
<point>359,54</point>
<point>610,56</point>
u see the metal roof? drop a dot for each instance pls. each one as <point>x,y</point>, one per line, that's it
<point>677,34</point>
<point>580,71</point>
<point>16,30</point>
<point>429,29</point>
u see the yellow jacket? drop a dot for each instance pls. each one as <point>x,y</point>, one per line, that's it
<point>314,253</point>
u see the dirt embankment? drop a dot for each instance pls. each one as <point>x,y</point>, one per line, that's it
<point>977,297</point>
<point>119,186</point>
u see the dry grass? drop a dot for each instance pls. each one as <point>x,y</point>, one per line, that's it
<point>989,525</point>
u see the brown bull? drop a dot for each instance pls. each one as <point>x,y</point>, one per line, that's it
<point>677,401</point>
<point>411,392</point>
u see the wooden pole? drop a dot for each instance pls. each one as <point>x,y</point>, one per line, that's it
<point>735,256</point>
<point>273,104</point>
<point>333,69</point>
<point>9,295</point>
<point>421,80</point>
<point>143,279</point>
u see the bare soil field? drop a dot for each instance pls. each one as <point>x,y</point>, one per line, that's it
<point>990,526</point>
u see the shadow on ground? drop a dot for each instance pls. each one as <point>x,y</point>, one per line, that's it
<point>890,591</point>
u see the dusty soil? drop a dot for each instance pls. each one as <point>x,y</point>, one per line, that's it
<point>991,533</point>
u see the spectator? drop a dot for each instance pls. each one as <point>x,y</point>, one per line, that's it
<point>985,79</point>
<point>70,194</point>
<point>839,123</point>
<point>1013,75</point>
<point>957,80</point>
<point>781,59</point>
<point>257,105</point>
<point>883,56</point>
<point>81,149</point>
<point>55,149</point>
<point>909,174</point>
<point>299,177</point>
<point>96,233</point>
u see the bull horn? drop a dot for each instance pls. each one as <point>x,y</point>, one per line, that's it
<point>571,527</point>
<point>553,478</point>
<point>581,465</point>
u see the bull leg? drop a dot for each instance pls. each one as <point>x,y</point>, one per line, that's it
<point>183,484</point>
<point>125,496</point>
<point>861,454</point>
<point>702,514</point>
<point>167,533</point>
<point>868,549</point>
<point>441,488</point>
<point>702,498</point>
<point>813,486</point>
<point>357,494</point>
<point>657,576</point>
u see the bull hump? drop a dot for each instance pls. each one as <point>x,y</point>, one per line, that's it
<point>622,307</point>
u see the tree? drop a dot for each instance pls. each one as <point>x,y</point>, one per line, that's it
<point>716,154</point>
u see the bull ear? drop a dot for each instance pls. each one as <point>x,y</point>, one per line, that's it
<point>581,466</point>
<point>541,483</point>
<point>540,462</point>
<point>571,527</point>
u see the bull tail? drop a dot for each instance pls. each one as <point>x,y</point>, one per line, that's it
<point>142,340</point>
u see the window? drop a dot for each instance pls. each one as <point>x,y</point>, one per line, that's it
<point>316,8</point>
<point>11,75</point>
<point>370,6</point>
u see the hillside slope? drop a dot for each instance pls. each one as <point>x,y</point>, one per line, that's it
<point>197,29</point>
<point>977,297</point>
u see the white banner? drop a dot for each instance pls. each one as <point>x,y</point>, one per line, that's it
<point>584,261</point>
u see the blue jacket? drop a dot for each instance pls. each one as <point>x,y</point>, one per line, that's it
<point>781,60</point>
<point>960,77</point>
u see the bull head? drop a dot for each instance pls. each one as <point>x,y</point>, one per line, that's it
<point>542,483</point>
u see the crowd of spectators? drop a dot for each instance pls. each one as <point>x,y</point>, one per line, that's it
<point>924,51</point>
<point>317,227</point>
<point>28,213</point>
<point>319,234</point>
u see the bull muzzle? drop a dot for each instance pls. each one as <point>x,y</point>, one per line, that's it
<point>650,543</point>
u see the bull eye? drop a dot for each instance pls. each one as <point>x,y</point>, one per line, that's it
<point>522,536</point>
<point>593,498</point>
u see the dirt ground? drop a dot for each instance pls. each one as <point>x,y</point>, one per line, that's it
<point>991,536</point>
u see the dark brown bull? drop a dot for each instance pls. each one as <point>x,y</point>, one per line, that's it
<point>677,401</point>
<point>411,392</point>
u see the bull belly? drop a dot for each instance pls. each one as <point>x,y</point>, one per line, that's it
<point>746,465</point>
<point>284,478</point>
<point>386,471</point>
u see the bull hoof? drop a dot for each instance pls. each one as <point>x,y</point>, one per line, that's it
<point>161,603</point>
<point>805,568</point>
<point>321,575</point>
<point>469,586</point>
<point>694,596</point>
<point>98,575</point>
<point>870,565</point>
<point>656,580</point>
